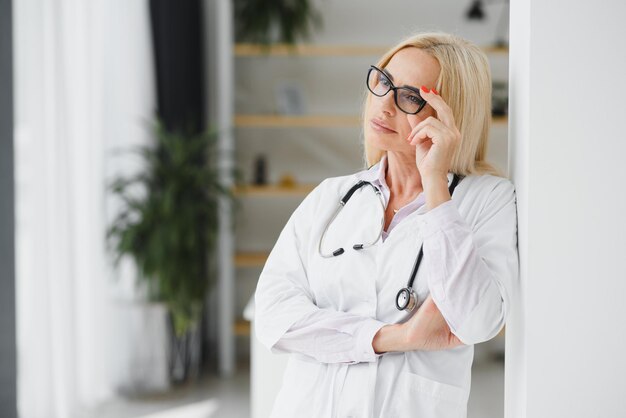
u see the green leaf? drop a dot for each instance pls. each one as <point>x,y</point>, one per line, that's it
<point>169,219</point>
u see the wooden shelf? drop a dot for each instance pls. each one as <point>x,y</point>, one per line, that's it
<point>504,50</point>
<point>256,259</point>
<point>307,121</point>
<point>308,50</point>
<point>312,50</point>
<point>300,121</point>
<point>273,190</point>
<point>500,120</point>
<point>241,328</point>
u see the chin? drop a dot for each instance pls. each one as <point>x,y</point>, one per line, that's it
<point>379,137</point>
<point>383,142</point>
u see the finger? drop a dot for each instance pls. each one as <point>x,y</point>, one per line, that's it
<point>428,132</point>
<point>428,121</point>
<point>444,112</point>
<point>435,131</point>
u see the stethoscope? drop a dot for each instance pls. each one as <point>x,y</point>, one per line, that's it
<point>406,299</point>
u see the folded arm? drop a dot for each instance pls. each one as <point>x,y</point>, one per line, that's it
<point>471,270</point>
<point>287,318</point>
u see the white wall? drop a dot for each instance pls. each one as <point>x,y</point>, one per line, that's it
<point>567,339</point>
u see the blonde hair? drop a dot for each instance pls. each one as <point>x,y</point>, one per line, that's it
<point>464,82</point>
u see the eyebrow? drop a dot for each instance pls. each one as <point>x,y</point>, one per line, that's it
<point>415,89</point>
<point>388,74</point>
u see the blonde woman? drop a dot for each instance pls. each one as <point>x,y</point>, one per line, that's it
<point>379,299</point>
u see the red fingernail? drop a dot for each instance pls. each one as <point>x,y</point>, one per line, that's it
<point>435,91</point>
<point>425,90</point>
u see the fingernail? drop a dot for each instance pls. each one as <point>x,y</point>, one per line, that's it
<point>425,90</point>
<point>435,91</point>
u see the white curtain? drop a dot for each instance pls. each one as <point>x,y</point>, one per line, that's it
<point>83,87</point>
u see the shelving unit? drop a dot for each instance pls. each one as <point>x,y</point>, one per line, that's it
<point>256,260</point>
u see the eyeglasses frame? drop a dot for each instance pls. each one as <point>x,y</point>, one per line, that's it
<point>395,90</point>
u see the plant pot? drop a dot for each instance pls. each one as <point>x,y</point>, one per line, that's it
<point>142,348</point>
<point>185,353</point>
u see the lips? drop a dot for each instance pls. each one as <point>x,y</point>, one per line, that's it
<point>377,123</point>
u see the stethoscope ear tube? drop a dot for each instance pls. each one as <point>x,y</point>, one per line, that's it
<point>342,204</point>
<point>353,189</point>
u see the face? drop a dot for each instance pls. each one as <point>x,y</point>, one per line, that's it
<point>408,67</point>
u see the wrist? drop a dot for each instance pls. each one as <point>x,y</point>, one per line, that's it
<point>434,180</point>
<point>389,338</point>
<point>436,190</point>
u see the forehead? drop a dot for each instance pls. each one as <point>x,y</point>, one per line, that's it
<point>414,67</point>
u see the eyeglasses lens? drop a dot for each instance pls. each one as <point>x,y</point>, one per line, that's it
<point>378,83</point>
<point>407,100</point>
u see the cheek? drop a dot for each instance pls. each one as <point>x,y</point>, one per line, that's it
<point>405,130</point>
<point>414,120</point>
<point>411,121</point>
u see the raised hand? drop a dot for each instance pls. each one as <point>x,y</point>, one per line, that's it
<point>436,139</point>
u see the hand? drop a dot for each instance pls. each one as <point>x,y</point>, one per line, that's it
<point>435,139</point>
<point>428,330</point>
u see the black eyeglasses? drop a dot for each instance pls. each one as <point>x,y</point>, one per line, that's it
<point>408,99</point>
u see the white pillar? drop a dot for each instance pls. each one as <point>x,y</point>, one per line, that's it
<point>566,337</point>
<point>224,59</point>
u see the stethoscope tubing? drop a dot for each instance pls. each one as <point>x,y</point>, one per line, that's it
<point>409,298</point>
<point>342,204</point>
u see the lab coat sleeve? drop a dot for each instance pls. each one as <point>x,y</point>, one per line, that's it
<point>287,320</point>
<point>472,269</point>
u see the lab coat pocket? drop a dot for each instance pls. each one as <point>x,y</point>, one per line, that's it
<point>431,399</point>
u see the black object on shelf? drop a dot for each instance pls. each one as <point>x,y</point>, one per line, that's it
<point>475,12</point>
<point>260,170</point>
<point>499,98</point>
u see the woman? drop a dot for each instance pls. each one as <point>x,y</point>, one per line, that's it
<point>329,291</point>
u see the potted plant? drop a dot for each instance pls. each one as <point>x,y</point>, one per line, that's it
<point>264,22</point>
<point>168,226</point>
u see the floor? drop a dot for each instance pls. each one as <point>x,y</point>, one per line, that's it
<point>230,398</point>
<point>209,397</point>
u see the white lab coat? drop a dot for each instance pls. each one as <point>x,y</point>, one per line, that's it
<point>325,312</point>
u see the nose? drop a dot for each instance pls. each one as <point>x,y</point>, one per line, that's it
<point>387,103</point>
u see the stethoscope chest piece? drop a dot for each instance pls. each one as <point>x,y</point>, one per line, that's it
<point>406,300</point>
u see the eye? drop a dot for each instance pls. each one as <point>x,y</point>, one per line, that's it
<point>408,96</point>
<point>383,80</point>
<point>415,99</point>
